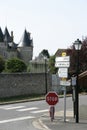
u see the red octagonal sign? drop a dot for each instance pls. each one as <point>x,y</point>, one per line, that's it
<point>52,98</point>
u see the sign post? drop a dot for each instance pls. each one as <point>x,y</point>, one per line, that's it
<point>52,99</point>
<point>63,64</point>
<point>65,104</point>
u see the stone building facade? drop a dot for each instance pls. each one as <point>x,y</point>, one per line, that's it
<point>9,49</point>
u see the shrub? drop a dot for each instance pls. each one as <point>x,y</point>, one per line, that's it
<point>15,65</point>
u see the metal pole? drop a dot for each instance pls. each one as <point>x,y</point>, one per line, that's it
<point>77,90</point>
<point>46,76</point>
<point>73,79</point>
<point>74,101</point>
<point>65,104</point>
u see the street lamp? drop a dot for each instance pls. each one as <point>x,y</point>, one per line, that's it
<point>77,45</point>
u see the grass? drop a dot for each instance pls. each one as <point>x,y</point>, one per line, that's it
<point>21,98</point>
<point>24,98</point>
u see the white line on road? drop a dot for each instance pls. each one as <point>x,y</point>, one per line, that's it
<point>5,106</point>
<point>27,109</point>
<point>40,111</point>
<point>16,119</point>
<point>11,108</point>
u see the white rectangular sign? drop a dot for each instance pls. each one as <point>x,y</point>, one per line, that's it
<point>73,81</point>
<point>63,75</point>
<point>65,83</point>
<point>63,72</point>
<point>64,58</point>
<point>62,64</point>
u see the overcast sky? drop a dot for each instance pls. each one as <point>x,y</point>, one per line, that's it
<point>53,24</point>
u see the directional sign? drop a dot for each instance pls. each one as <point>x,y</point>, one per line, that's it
<point>65,58</point>
<point>63,72</point>
<point>52,98</point>
<point>62,64</point>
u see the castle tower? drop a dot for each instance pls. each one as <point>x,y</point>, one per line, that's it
<point>9,49</point>
<point>7,37</point>
<point>25,47</point>
<point>1,35</point>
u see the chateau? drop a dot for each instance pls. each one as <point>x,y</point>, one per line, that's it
<point>22,50</point>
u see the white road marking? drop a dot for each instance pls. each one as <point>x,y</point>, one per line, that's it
<point>11,108</point>
<point>27,109</point>
<point>40,111</point>
<point>16,119</point>
<point>2,107</point>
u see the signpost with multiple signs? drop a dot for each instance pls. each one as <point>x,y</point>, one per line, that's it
<point>63,64</point>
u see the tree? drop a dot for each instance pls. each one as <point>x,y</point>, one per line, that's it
<point>51,65</point>
<point>15,65</point>
<point>2,64</point>
<point>82,57</point>
<point>45,53</point>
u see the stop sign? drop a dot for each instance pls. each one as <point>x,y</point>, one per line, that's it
<point>52,98</point>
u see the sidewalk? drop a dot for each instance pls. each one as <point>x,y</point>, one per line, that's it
<point>58,123</point>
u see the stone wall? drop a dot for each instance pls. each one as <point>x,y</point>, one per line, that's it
<point>23,84</point>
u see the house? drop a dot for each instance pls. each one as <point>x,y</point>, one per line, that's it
<point>39,64</point>
<point>59,52</point>
<point>22,50</point>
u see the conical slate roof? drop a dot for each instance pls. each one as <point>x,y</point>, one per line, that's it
<point>7,37</point>
<point>1,35</point>
<point>26,41</point>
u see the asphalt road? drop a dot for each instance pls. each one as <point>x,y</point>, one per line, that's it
<point>20,116</point>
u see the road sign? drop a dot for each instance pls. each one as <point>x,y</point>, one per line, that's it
<point>63,75</point>
<point>63,53</point>
<point>63,72</point>
<point>65,83</point>
<point>62,64</point>
<point>52,98</point>
<point>66,58</point>
<point>73,79</point>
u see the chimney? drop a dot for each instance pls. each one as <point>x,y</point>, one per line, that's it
<point>28,34</point>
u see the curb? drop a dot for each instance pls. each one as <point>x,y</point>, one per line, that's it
<point>44,126</point>
<point>20,101</point>
<point>40,125</point>
<point>33,99</point>
<point>26,100</point>
<point>41,122</point>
